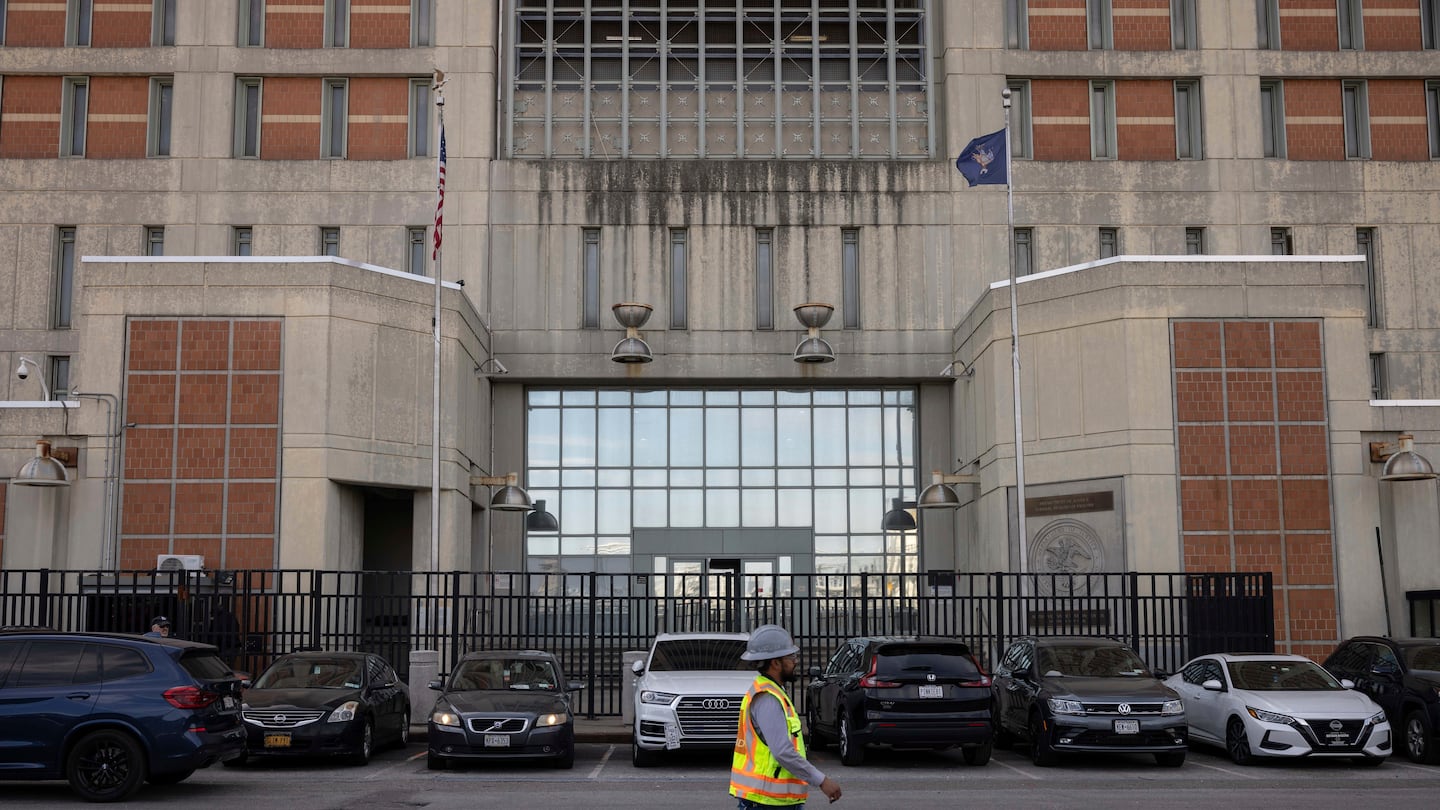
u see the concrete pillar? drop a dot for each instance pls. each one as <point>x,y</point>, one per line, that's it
<point>424,668</point>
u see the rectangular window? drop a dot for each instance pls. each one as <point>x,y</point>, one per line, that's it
<point>764,278</point>
<point>73,117</point>
<point>1351,20</point>
<point>1102,120</point>
<point>1365,246</point>
<point>333,119</point>
<point>678,287</point>
<point>162,93</point>
<point>1430,23</point>
<point>1182,25</point>
<point>1379,386</point>
<point>1357,119</point>
<point>1194,241</point>
<point>78,17</point>
<point>590,275</point>
<point>419,117</point>
<point>64,277</point>
<point>1024,241</point>
<point>1097,18</point>
<point>850,277</point>
<point>1432,112</point>
<point>58,375</point>
<point>422,23</point>
<point>247,118</point>
<point>1267,13</point>
<point>252,23</point>
<point>329,241</point>
<point>1109,242</point>
<point>337,23</point>
<point>1020,142</point>
<point>155,240</point>
<point>415,250</point>
<point>1281,242</point>
<point>162,23</point>
<point>1189,143</point>
<point>1272,119</point>
<point>1017,24</point>
<point>241,240</point>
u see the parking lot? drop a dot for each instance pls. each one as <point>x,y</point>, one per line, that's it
<point>604,778</point>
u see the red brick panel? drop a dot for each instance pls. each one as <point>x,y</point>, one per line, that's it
<point>30,115</point>
<point>1313,614</point>
<point>147,509</point>
<point>121,24</point>
<point>1307,504</point>
<point>1392,25</point>
<point>1309,559</point>
<point>1207,552</point>
<point>1060,119</point>
<point>40,24</point>
<point>251,509</point>
<point>117,118</point>
<point>255,399</point>
<point>204,345</point>
<point>204,399</point>
<point>201,452</point>
<point>1201,449</point>
<point>1247,344</point>
<point>1300,396</point>
<point>1297,344</point>
<point>290,119</point>
<point>139,553</point>
<point>1058,25</point>
<point>152,345</point>
<point>253,453</point>
<point>150,453</point>
<point>1199,396</point>
<point>250,552</point>
<point>1259,552</point>
<point>1398,127</point>
<point>1255,503</point>
<point>207,547</point>
<point>204,510</point>
<point>151,399</point>
<point>294,23</point>
<point>1303,450</point>
<point>1204,505</point>
<point>1314,120</point>
<point>1250,396</point>
<point>1197,344</point>
<point>379,118</point>
<point>1145,119</point>
<point>1309,25</point>
<point>380,24</point>
<point>1252,450</point>
<point>1140,25</point>
<point>257,345</point>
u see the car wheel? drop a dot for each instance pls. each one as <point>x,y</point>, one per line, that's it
<point>404,739</point>
<point>817,738</point>
<point>106,766</point>
<point>367,745</point>
<point>435,763</point>
<point>1237,743</point>
<point>1041,752</point>
<point>1170,759</point>
<point>976,754</point>
<point>172,778</point>
<point>642,757</point>
<point>1418,745</point>
<point>566,760</point>
<point>852,751</point>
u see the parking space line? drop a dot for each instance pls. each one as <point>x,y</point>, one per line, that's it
<point>1024,773</point>
<point>604,758</point>
<point>388,768</point>
<point>1223,770</point>
<point>417,756</point>
<point>1407,766</point>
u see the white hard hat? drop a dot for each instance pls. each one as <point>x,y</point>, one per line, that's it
<point>767,642</point>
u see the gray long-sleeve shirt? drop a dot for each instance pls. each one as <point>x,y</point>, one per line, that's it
<point>768,715</point>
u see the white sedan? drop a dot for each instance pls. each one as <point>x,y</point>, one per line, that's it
<point>1279,706</point>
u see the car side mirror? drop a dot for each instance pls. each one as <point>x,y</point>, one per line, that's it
<point>437,685</point>
<point>1347,683</point>
<point>1024,675</point>
<point>1213,685</point>
<point>638,667</point>
<point>245,683</point>
<point>574,686</point>
<point>816,672</point>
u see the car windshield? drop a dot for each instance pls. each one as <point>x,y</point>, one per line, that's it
<point>500,674</point>
<point>1090,662</point>
<point>1423,657</point>
<point>312,673</point>
<point>699,654</point>
<point>1281,676</point>
<point>949,661</point>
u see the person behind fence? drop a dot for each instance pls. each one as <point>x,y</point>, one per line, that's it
<point>769,768</point>
<point>159,627</point>
<point>224,630</point>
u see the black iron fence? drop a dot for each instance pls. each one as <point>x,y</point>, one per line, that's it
<point>591,620</point>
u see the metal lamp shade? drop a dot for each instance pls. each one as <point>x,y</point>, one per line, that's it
<point>631,350</point>
<point>630,315</point>
<point>814,316</point>
<point>897,519</point>
<point>939,496</point>
<point>511,499</point>
<point>1407,465</point>
<point>814,350</point>
<point>42,471</point>
<point>540,520</point>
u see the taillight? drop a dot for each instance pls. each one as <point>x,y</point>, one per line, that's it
<point>983,680</point>
<point>869,681</point>
<point>189,697</point>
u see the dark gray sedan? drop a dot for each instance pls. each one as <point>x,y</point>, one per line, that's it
<point>503,704</point>
<point>1066,693</point>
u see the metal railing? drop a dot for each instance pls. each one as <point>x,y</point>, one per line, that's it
<point>590,620</point>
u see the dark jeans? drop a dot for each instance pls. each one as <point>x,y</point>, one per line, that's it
<point>746,804</point>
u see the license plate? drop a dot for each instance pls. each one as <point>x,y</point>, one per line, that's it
<point>277,740</point>
<point>1127,726</point>
<point>497,740</point>
<point>672,736</point>
<point>932,691</point>
<point>1337,738</point>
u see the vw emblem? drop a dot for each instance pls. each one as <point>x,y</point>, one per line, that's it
<point>1336,725</point>
<point>1124,708</point>
<point>280,718</point>
<point>716,703</point>
<point>930,676</point>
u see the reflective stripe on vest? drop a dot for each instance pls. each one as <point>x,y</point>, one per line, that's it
<point>755,774</point>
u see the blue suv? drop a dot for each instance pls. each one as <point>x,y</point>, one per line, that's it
<point>110,712</point>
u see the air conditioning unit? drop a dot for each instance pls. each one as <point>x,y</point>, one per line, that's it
<point>179,562</point>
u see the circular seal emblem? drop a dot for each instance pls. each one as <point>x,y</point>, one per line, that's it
<point>1066,546</point>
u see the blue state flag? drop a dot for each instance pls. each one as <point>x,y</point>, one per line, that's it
<point>982,161</point>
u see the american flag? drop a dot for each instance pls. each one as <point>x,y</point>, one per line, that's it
<point>440,195</point>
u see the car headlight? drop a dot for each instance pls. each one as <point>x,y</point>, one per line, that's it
<point>1172,707</point>
<point>346,712</point>
<point>556,719</point>
<point>651,696</point>
<point>1066,706</point>
<point>1270,717</point>
<point>1376,718</point>
<point>443,718</point>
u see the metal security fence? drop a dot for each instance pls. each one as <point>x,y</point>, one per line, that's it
<point>590,620</point>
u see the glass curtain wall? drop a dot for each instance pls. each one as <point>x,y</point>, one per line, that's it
<point>608,461</point>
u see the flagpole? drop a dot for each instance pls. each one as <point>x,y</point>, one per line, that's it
<point>1015,346</point>
<point>435,327</point>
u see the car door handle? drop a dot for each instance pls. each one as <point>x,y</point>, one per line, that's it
<point>78,696</point>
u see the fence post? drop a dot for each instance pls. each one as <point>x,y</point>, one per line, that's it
<point>594,634</point>
<point>456,615</point>
<point>314,609</point>
<point>45,597</point>
<point>1134,587</point>
<point>999,590</point>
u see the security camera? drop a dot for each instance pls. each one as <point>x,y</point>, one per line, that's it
<point>22,372</point>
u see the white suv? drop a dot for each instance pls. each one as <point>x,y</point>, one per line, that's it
<point>689,693</point>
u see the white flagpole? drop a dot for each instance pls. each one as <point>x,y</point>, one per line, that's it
<point>435,393</point>
<point>1015,347</point>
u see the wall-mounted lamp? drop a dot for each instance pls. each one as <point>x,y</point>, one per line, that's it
<point>940,494</point>
<point>22,373</point>
<point>814,349</point>
<point>510,497</point>
<point>491,368</point>
<point>631,348</point>
<point>1402,463</point>
<point>898,519</point>
<point>43,470</point>
<point>540,520</point>
<point>965,373</point>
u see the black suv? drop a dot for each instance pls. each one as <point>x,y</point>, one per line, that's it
<point>1403,676</point>
<point>901,691</point>
<point>1070,693</point>
<point>110,712</point>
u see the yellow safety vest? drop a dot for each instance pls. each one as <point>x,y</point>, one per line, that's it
<point>755,774</point>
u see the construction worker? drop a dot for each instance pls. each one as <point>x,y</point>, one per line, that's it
<point>769,768</point>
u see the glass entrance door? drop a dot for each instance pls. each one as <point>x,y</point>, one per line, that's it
<point>711,593</point>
